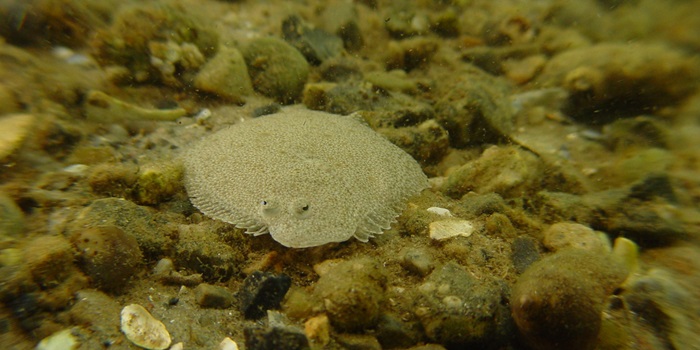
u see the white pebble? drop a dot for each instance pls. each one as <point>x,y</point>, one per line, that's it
<point>61,340</point>
<point>440,211</point>
<point>143,329</point>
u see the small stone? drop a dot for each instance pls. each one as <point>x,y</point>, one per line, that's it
<point>508,171</point>
<point>358,342</point>
<point>569,234</point>
<point>439,211</point>
<point>208,295</point>
<point>460,311</point>
<point>262,291</point>
<point>49,260</point>
<point>392,332</point>
<point>444,229</point>
<point>352,292</point>
<point>228,344</point>
<point>15,128</point>
<point>142,329</point>
<point>277,70</point>
<point>134,220</point>
<point>112,179</point>
<point>61,340</point>
<point>226,75</point>
<point>108,255</point>
<point>525,252</point>
<point>315,44</point>
<point>98,312</point>
<point>318,330</point>
<point>158,182</point>
<point>559,300</point>
<point>417,260</point>
<point>274,338</point>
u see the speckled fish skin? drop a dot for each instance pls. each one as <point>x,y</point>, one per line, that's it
<point>308,178</point>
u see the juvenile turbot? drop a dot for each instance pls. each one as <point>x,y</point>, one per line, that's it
<point>308,178</point>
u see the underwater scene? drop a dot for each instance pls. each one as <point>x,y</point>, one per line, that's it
<point>350,174</point>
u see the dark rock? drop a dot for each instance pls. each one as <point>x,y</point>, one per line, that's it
<point>392,332</point>
<point>428,142</point>
<point>200,249</point>
<point>459,311</point>
<point>640,131</point>
<point>208,295</point>
<point>358,342</point>
<point>266,109</point>
<point>275,338</point>
<point>473,205</point>
<point>525,252</point>
<point>340,69</point>
<point>559,300</point>
<point>315,44</point>
<point>341,19</point>
<point>262,291</point>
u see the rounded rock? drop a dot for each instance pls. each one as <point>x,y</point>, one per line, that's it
<point>110,257</point>
<point>559,300</point>
<point>277,69</point>
<point>352,292</point>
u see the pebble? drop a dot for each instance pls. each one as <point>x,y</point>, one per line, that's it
<point>61,340</point>
<point>226,75</point>
<point>208,295</point>
<point>262,291</point>
<point>439,211</point>
<point>157,182</point>
<point>49,260</point>
<point>108,255</point>
<point>318,330</point>
<point>353,292</point>
<point>228,344</point>
<point>525,252</point>
<point>277,70</point>
<point>134,220</point>
<point>559,300</point>
<point>142,329</point>
<point>315,44</point>
<point>358,341</point>
<point>570,234</point>
<point>509,171</point>
<point>15,128</point>
<point>459,311</point>
<point>392,332</point>
<point>444,229</point>
<point>417,260</point>
<point>275,338</point>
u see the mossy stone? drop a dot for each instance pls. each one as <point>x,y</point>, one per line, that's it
<point>277,69</point>
<point>559,300</point>
<point>353,292</point>
<point>109,256</point>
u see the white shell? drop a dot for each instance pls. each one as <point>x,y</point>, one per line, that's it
<point>440,211</point>
<point>228,344</point>
<point>143,329</point>
<point>444,229</point>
